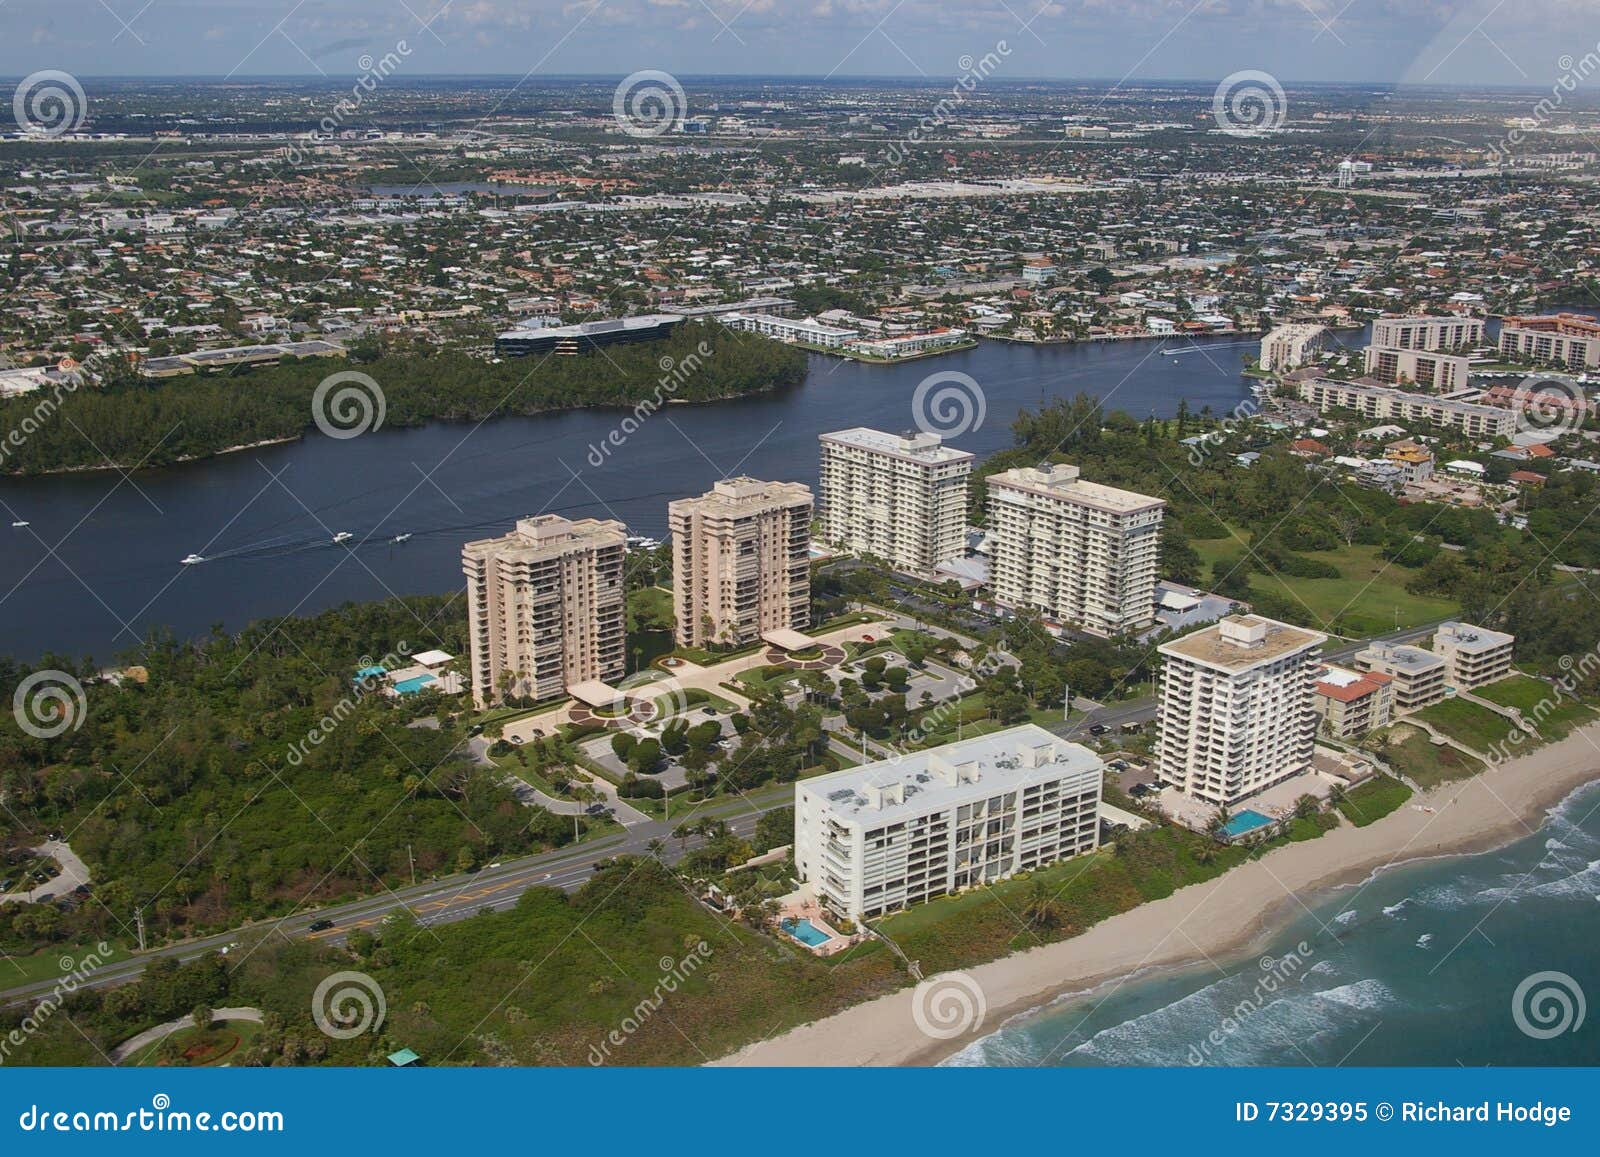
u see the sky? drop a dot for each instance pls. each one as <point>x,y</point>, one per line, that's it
<point>1457,42</point>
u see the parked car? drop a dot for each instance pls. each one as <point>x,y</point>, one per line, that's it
<point>321,925</point>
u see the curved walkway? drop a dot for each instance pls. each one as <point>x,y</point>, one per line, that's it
<point>151,1035</point>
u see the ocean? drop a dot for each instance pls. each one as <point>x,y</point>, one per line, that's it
<point>1486,959</point>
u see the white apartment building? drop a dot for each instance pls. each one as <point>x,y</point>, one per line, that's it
<point>1237,713</point>
<point>741,557</point>
<point>1409,409</point>
<point>1434,371</point>
<point>899,497</point>
<point>1561,339</point>
<point>1081,554</point>
<point>883,836</point>
<point>806,329</point>
<point>1473,655</point>
<point>545,607</point>
<point>1290,346</point>
<point>1437,333</point>
<point>1418,675</point>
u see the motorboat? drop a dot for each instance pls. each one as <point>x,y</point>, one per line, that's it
<point>191,559</point>
<point>20,523</point>
<point>343,536</point>
<point>402,537</point>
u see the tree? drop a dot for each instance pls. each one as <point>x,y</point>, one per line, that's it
<point>202,1015</point>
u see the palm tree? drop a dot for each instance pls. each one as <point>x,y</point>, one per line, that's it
<point>655,847</point>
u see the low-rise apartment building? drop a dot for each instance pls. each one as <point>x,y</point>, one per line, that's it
<point>1081,554</point>
<point>1473,655</point>
<point>1561,339</point>
<point>898,497</point>
<point>883,836</point>
<point>1353,703</point>
<point>741,561</point>
<point>805,330</point>
<point>1419,676</point>
<point>1290,346</point>
<point>1446,332</point>
<point>545,607</point>
<point>1386,405</point>
<point>1433,371</point>
<point>1236,707</point>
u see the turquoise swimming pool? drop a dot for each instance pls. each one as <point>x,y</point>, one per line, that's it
<point>1243,823</point>
<point>413,685</point>
<point>806,932</point>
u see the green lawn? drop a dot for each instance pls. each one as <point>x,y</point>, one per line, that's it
<point>20,970</point>
<point>1410,752</point>
<point>1373,800</point>
<point>1551,713</point>
<point>1368,598</point>
<point>223,1043</point>
<point>1477,727</point>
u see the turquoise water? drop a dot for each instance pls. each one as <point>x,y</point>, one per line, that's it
<point>806,932</point>
<point>1243,822</point>
<point>413,685</point>
<point>1417,965</point>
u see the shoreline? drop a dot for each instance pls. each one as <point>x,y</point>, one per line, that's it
<point>1221,918</point>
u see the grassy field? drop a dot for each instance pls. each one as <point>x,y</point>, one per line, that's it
<point>1373,800</point>
<point>1410,752</point>
<point>1477,727</point>
<point>224,1043</point>
<point>19,970</point>
<point>1368,598</point>
<point>1551,713</point>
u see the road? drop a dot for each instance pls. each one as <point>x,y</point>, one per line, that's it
<point>447,898</point>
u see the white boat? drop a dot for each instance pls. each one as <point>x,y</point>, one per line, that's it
<point>20,523</point>
<point>402,537</point>
<point>191,559</point>
<point>343,536</point>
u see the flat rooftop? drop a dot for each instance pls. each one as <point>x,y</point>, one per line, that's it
<point>1403,657</point>
<point>1472,639</point>
<point>1062,481</point>
<point>914,445</point>
<point>550,535</point>
<point>1240,642</point>
<point>598,328</point>
<point>991,764</point>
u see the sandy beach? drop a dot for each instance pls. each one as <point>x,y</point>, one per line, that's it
<point>1215,920</point>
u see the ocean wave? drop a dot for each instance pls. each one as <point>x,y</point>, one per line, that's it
<point>1424,940</point>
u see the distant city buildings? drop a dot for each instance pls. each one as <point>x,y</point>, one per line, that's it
<point>1081,554</point>
<point>883,836</point>
<point>1290,346</point>
<point>1570,340</point>
<point>741,561</point>
<point>1237,712</point>
<point>586,336</point>
<point>545,607</point>
<point>898,497</point>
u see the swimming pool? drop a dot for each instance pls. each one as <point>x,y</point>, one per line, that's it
<point>806,932</point>
<point>413,685</point>
<point>1243,823</point>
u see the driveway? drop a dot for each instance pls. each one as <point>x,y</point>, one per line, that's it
<point>73,873</point>
<point>151,1035</point>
